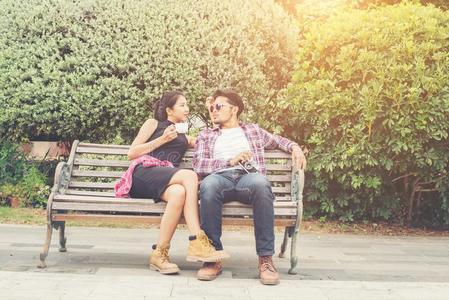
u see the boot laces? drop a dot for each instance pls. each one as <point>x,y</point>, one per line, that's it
<point>206,243</point>
<point>164,254</point>
<point>266,263</point>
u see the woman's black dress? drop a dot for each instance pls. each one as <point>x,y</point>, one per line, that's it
<point>151,182</point>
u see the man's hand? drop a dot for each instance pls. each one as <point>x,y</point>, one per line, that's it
<point>241,157</point>
<point>298,158</point>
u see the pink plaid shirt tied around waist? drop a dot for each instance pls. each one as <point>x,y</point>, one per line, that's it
<point>123,186</point>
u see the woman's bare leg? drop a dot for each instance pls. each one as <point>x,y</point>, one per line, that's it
<point>189,180</point>
<point>175,196</point>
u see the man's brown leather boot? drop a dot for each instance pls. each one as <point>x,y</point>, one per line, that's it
<point>209,271</point>
<point>267,272</point>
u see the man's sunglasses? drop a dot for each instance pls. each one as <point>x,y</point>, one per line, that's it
<point>218,106</point>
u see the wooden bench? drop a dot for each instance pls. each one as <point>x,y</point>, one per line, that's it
<point>83,190</point>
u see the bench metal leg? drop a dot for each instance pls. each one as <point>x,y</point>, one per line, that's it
<point>62,238</point>
<point>294,255</point>
<point>284,243</point>
<point>44,252</point>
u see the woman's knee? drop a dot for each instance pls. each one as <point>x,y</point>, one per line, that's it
<point>176,194</point>
<point>188,177</point>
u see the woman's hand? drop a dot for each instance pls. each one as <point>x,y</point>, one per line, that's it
<point>169,133</point>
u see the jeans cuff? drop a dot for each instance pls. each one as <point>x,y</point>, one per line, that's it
<point>265,253</point>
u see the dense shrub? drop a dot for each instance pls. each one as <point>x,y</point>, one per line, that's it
<point>312,11</point>
<point>92,69</point>
<point>12,162</point>
<point>371,98</point>
<point>21,178</point>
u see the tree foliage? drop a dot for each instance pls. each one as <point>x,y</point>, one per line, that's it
<point>370,96</point>
<point>92,69</point>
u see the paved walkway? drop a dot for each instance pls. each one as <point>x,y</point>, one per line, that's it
<point>105,263</point>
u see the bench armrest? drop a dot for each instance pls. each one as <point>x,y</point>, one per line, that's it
<point>297,184</point>
<point>62,178</point>
<point>297,194</point>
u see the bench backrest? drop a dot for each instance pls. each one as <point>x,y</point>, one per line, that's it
<point>96,167</point>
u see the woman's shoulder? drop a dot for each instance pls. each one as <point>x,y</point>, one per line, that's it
<point>151,123</point>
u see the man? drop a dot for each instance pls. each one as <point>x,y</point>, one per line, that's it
<point>220,155</point>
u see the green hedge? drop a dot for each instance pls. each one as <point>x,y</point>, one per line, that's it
<point>371,98</point>
<point>92,69</point>
<point>22,179</point>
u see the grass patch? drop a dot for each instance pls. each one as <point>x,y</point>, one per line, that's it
<point>34,216</point>
<point>29,216</point>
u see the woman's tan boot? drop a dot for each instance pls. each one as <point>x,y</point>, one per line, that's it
<point>160,261</point>
<point>201,249</point>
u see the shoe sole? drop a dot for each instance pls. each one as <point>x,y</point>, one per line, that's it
<point>193,258</point>
<point>209,278</point>
<point>269,282</point>
<point>164,272</point>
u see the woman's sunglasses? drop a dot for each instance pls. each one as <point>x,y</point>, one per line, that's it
<point>218,106</point>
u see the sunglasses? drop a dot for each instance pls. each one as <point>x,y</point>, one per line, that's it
<point>218,106</point>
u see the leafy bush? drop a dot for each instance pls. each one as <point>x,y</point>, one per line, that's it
<point>12,163</point>
<point>21,178</point>
<point>91,69</point>
<point>371,98</point>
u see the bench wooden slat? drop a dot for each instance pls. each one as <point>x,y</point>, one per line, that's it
<point>92,185</point>
<point>110,185</point>
<point>101,162</point>
<point>97,150</point>
<point>89,193</point>
<point>111,194</point>
<point>98,199</point>
<point>185,165</point>
<point>115,150</point>
<point>97,174</point>
<point>189,152</point>
<point>107,146</point>
<point>157,219</point>
<point>156,208</point>
<point>118,174</point>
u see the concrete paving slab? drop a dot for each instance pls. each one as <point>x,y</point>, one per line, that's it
<point>111,263</point>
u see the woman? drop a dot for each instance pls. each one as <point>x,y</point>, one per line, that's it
<point>157,152</point>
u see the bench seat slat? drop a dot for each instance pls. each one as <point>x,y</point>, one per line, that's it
<point>112,195</point>
<point>157,219</point>
<point>156,208</point>
<point>132,201</point>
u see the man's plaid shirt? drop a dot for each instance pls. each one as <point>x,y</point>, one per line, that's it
<point>259,139</point>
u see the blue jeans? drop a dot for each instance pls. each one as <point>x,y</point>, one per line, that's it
<point>236,185</point>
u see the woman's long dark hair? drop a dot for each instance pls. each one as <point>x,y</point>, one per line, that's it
<point>168,99</point>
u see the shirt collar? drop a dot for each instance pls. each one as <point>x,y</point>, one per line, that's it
<point>241,124</point>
